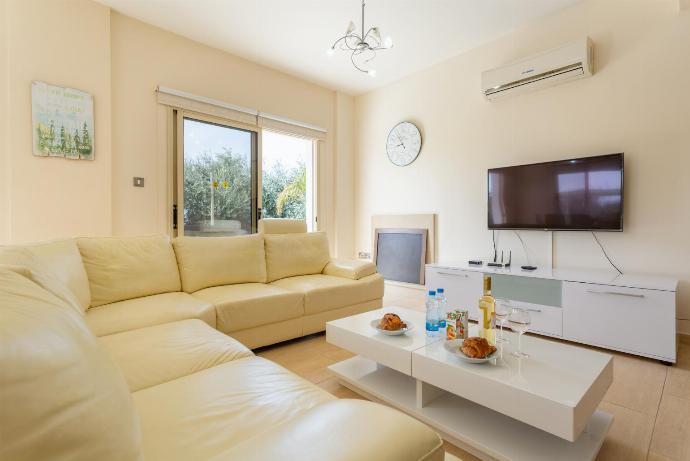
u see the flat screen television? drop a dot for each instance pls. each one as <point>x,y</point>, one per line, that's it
<point>577,194</point>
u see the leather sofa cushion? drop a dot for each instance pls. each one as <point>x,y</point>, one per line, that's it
<point>161,353</point>
<point>203,414</point>
<point>282,226</point>
<point>251,304</point>
<point>122,268</point>
<point>212,261</point>
<point>349,268</point>
<point>325,292</point>
<point>295,254</point>
<point>56,266</point>
<point>147,311</point>
<point>344,430</point>
<point>21,270</point>
<point>61,396</point>
<point>271,333</point>
<point>62,259</point>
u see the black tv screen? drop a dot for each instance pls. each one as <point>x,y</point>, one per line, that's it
<point>578,194</point>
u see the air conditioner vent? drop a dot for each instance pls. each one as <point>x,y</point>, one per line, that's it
<point>566,63</point>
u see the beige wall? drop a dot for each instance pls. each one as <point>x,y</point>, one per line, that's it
<point>144,57</point>
<point>4,162</point>
<point>344,180</point>
<point>637,102</point>
<point>64,43</point>
<point>121,61</point>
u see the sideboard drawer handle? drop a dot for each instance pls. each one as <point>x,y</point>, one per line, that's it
<point>454,274</point>
<point>533,310</point>
<point>617,293</point>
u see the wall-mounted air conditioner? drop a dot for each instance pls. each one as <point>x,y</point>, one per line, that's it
<point>569,62</point>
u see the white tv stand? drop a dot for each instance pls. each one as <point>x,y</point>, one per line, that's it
<point>628,313</point>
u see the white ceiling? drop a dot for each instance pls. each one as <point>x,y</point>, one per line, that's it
<point>293,35</point>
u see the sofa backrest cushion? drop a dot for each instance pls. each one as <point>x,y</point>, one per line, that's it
<point>122,268</point>
<point>56,266</point>
<point>63,259</point>
<point>282,226</point>
<point>289,255</point>
<point>212,261</point>
<point>61,395</point>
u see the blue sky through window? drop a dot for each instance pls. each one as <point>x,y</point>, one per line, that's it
<point>201,137</point>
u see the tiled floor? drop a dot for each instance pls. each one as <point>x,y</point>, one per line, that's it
<point>650,401</point>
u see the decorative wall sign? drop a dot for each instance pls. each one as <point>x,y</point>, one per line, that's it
<point>62,122</point>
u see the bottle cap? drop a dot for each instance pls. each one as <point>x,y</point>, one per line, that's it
<point>432,292</point>
<point>439,290</point>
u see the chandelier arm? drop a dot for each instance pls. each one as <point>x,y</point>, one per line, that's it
<point>341,39</point>
<point>357,40</point>
<point>352,59</point>
<point>344,44</point>
<point>365,56</point>
<point>373,55</point>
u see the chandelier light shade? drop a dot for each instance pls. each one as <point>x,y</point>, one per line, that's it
<point>361,46</point>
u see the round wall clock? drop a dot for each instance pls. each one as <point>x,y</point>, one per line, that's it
<point>404,143</point>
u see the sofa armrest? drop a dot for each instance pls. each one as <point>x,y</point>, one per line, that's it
<point>349,268</point>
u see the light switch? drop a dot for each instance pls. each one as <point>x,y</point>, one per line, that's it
<point>138,182</point>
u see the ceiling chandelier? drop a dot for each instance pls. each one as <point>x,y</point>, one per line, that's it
<point>362,47</point>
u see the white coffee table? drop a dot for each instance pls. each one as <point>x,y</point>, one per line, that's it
<point>541,408</point>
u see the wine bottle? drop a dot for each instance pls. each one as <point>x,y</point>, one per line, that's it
<point>487,313</point>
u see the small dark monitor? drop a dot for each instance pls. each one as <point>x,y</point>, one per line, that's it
<point>578,194</point>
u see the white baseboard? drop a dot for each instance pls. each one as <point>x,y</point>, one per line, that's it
<point>412,286</point>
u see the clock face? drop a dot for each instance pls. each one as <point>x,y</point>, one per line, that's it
<point>403,144</point>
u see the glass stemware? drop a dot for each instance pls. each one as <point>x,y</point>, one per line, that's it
<point>503,309</point>
<point>519,321</point>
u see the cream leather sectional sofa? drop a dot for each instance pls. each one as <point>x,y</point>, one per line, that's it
<point>108,352</point>
<point>261,289</point>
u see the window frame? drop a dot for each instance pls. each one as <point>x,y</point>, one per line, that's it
<point>179,116</point>
<point>313,221</point>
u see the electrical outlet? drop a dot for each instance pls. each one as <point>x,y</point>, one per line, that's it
<point>364,255</point>
<point>138,182</point>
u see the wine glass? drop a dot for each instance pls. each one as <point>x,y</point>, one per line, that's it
<point>519,321</point>
<point>503,310</point>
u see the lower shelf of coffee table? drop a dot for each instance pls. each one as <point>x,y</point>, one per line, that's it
<point>485,433</point>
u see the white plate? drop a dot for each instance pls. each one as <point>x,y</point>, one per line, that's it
<point>375,325</point>
<point>453,347</point>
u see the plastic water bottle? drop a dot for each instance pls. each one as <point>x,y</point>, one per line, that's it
<point>431,314</point>
<point>442,308</point>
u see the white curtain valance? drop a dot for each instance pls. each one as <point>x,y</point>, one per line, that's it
<point>252,117</point>
<point>187,101</point>
<point>285,125</point>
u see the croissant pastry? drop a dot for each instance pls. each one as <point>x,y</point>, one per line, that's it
<point>477,348</point>
<point>391,322</point>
